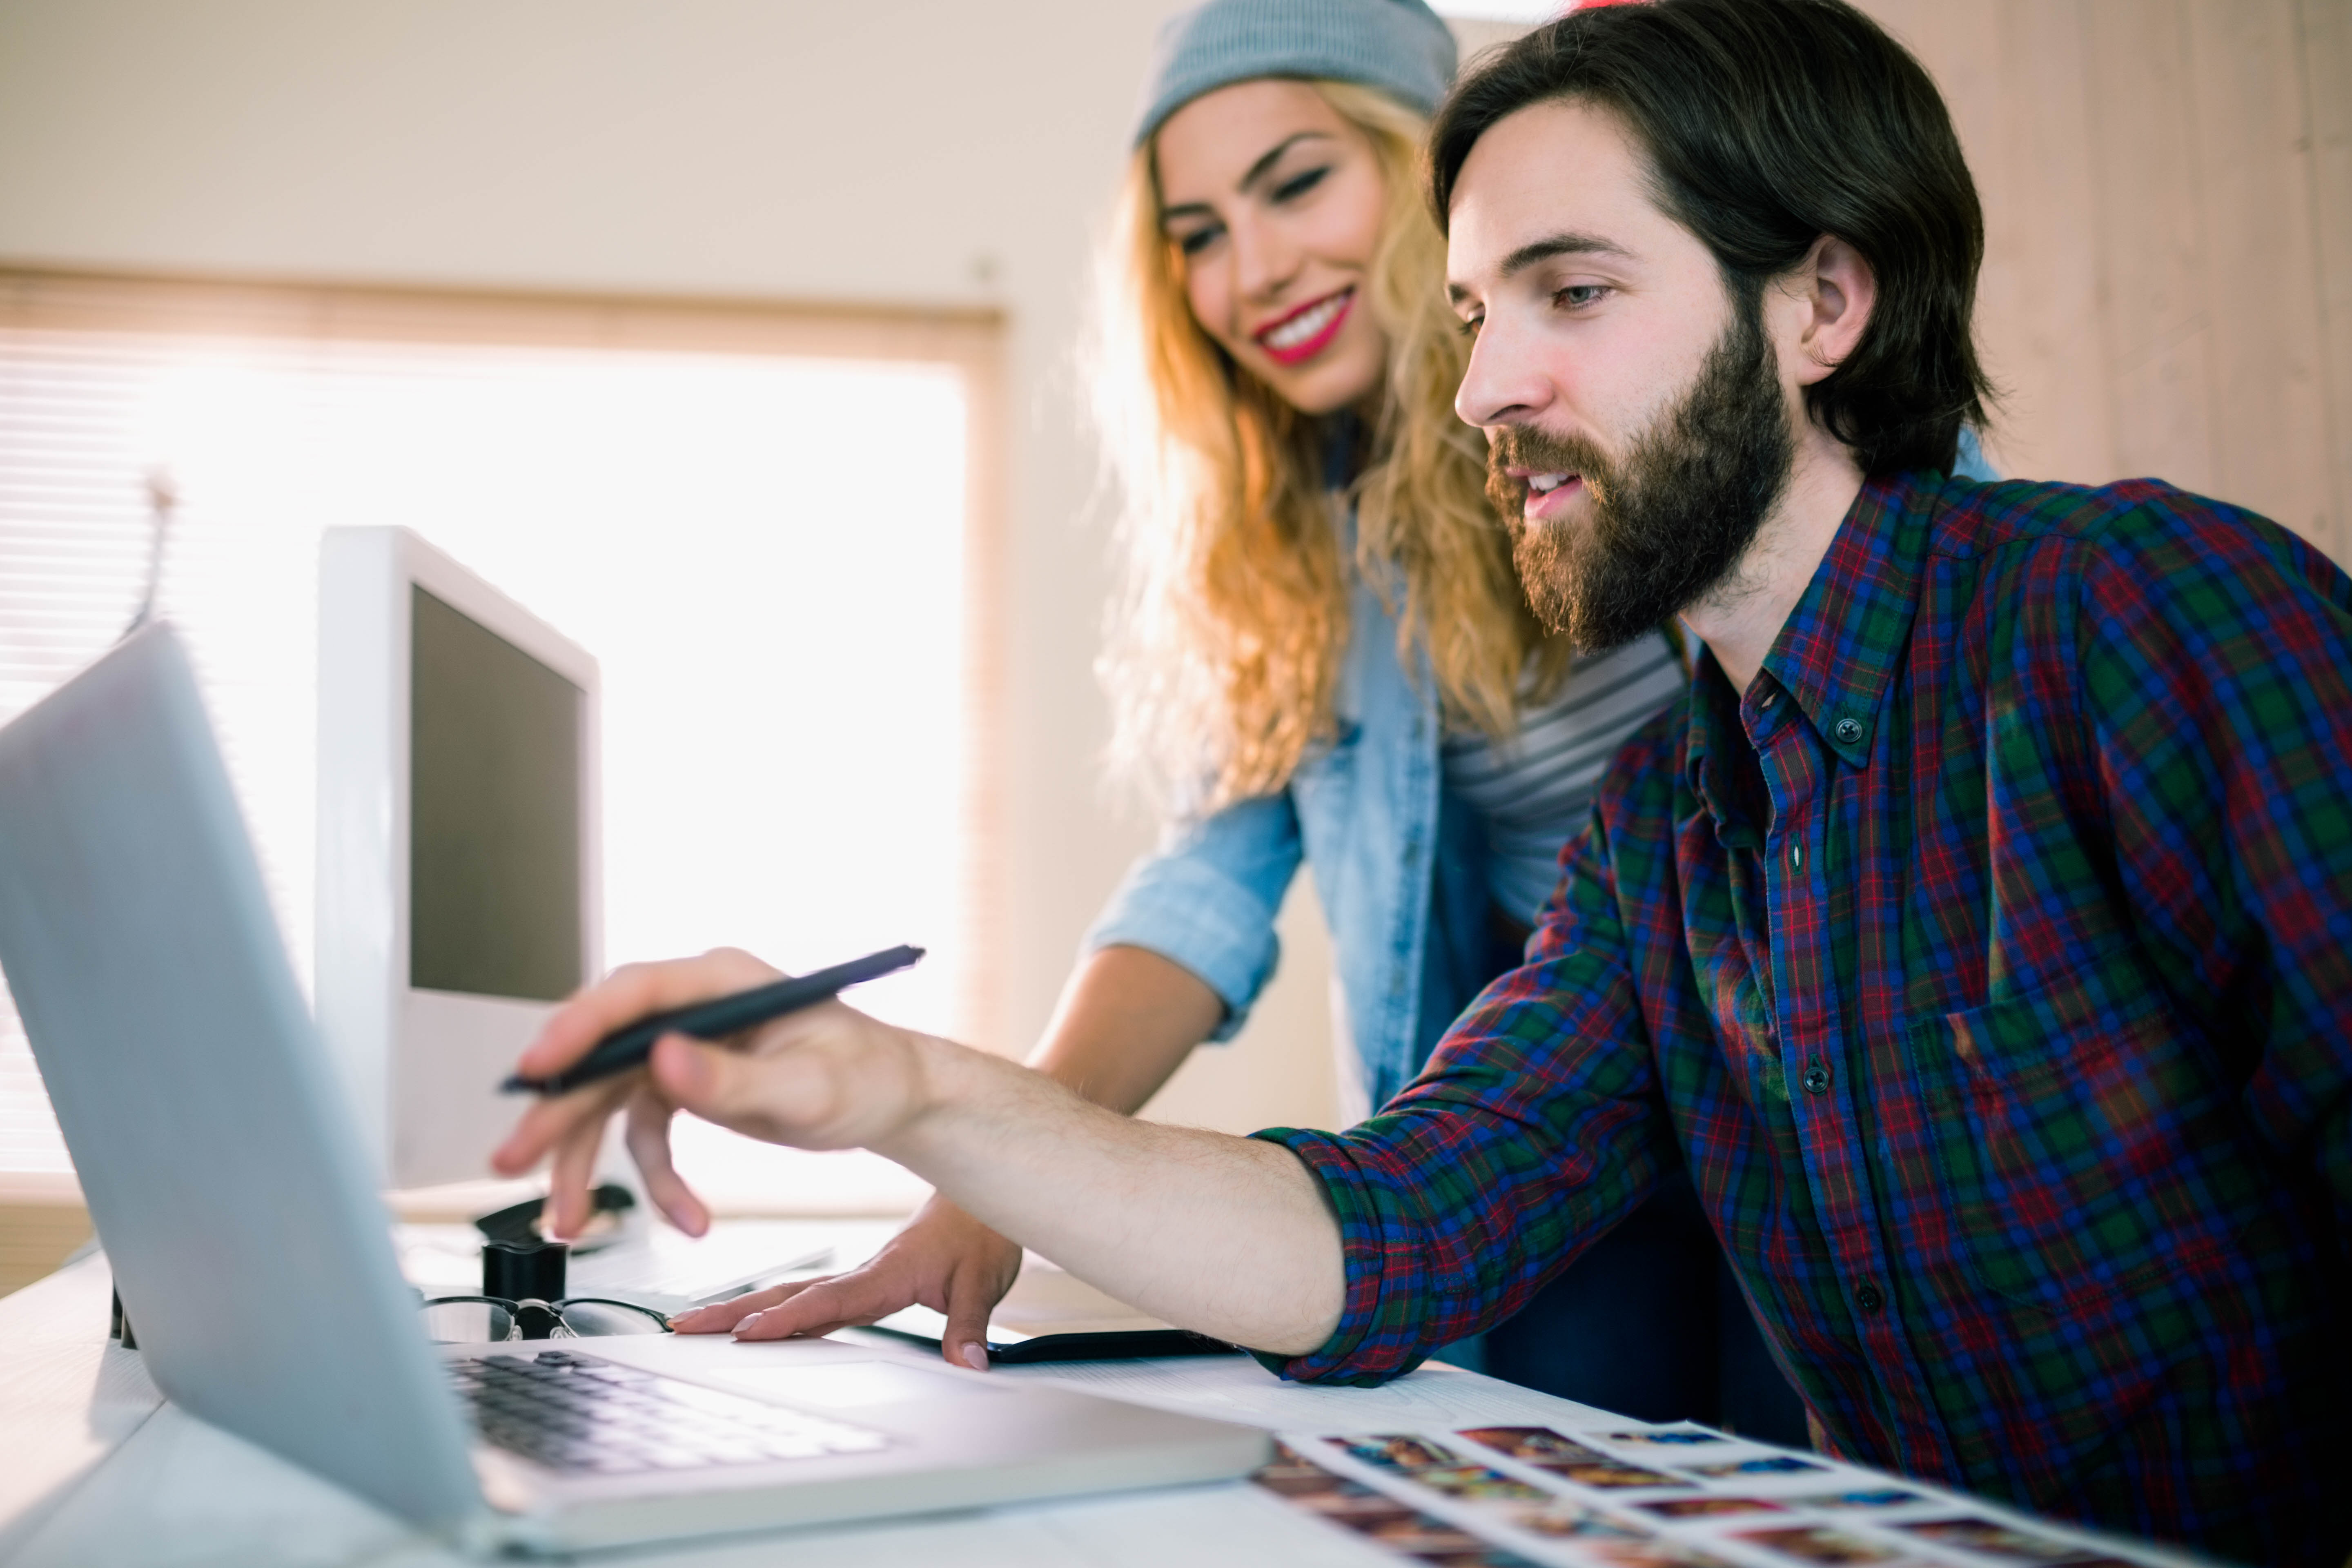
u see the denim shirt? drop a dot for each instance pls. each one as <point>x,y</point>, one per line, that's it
<point>1399,864</point>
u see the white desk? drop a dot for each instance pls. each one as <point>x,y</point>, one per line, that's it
<point>96,1469</point>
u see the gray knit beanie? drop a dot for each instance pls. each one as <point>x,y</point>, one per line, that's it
<point>1398,46</point>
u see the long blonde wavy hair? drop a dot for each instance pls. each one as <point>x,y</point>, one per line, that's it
<point>1226,642</point>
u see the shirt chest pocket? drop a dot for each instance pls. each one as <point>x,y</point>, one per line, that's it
<point>2088,1151</point>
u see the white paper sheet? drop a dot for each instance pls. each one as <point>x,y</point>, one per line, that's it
<point>1237,1388</point>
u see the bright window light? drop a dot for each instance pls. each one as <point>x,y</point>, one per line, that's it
<point>766,555</point>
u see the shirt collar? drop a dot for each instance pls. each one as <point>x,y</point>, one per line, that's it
<point>1839,649</point>
<point>1714,721</point>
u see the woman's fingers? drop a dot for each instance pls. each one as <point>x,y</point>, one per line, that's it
<point>965,1340</point>
<point>944,1258</point>
<point>982,1267</point>
<point>842,1301</point>
<point>721,1316</point>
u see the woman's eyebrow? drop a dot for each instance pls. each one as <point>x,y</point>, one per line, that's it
<point>1265,165</point>
<point>1256,173</point>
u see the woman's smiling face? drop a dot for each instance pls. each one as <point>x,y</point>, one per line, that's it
<point>1275,202</point>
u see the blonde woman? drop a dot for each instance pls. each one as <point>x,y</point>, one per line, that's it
<point>1326,657</point>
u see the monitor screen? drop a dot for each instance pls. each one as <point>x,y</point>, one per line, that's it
<point>494,873</point>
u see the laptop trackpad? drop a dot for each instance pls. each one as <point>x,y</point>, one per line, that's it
<point>856,1383</point>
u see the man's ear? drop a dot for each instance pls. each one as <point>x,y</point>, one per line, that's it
<point>1835,290</point>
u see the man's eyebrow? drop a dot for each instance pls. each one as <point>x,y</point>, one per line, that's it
<point>1553,244</point>
<point>1544,249</point>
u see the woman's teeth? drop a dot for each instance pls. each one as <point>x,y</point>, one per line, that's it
<point>1544,484</point>
<point>1305,324</point>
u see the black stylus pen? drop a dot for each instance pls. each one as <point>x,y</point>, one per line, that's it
<point>627,1048</point>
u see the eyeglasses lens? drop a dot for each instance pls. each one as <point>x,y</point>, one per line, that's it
<point>468,1321</point>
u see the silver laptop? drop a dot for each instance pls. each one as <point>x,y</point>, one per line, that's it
<point>223,1173</point>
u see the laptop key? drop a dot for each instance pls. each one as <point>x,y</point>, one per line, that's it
<point>785,1448</point>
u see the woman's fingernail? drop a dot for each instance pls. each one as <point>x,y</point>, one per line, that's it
<point>975,1356</point>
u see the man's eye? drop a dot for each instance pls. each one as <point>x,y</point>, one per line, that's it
<point>1576,296</point>
<point>1300,184</point>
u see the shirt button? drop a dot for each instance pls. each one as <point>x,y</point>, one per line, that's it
<point>1797,856</point>
<point>1768,698</point>
<point>1868,1298</point>
<point>1817,1080</point>
<point>1849,730</point>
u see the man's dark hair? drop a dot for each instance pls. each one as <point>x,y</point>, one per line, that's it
<point>1768,123</point>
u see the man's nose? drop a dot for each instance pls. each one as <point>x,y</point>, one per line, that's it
<point>1505,383</point>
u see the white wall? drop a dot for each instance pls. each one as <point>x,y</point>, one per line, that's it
<point>914,152</point>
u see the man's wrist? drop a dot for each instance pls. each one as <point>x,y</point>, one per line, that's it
<point>935,1069</point>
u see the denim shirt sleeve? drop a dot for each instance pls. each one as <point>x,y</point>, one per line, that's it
<point>1206,900</point>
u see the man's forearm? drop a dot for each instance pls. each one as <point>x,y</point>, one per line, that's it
<point>1228,1236</point>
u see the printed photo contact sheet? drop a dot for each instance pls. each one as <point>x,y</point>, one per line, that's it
<point>1634,1496</point>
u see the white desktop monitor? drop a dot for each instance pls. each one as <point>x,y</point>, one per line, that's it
<point>458,831</point>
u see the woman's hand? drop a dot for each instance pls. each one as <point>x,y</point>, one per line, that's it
<point>945,1260</point>
<point>827,1077</point>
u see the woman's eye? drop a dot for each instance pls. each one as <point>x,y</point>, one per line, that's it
<point>1300,184</point>
<point>1197,240</point>
<point>1576,296</point>
<point>1469,327</point>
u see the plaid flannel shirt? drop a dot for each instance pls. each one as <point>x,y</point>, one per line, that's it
<point>1988,963</point>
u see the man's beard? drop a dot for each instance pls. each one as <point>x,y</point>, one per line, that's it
<point>1667,526</point>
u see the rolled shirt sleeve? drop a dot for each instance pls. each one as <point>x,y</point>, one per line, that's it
<point>1206,900</point>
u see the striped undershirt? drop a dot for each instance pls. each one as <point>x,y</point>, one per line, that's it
<point>1536,788</point>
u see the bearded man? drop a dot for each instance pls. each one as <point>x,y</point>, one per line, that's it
<point>1978,930</point>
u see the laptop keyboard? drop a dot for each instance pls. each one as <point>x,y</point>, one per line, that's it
<point>573,1411</point>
